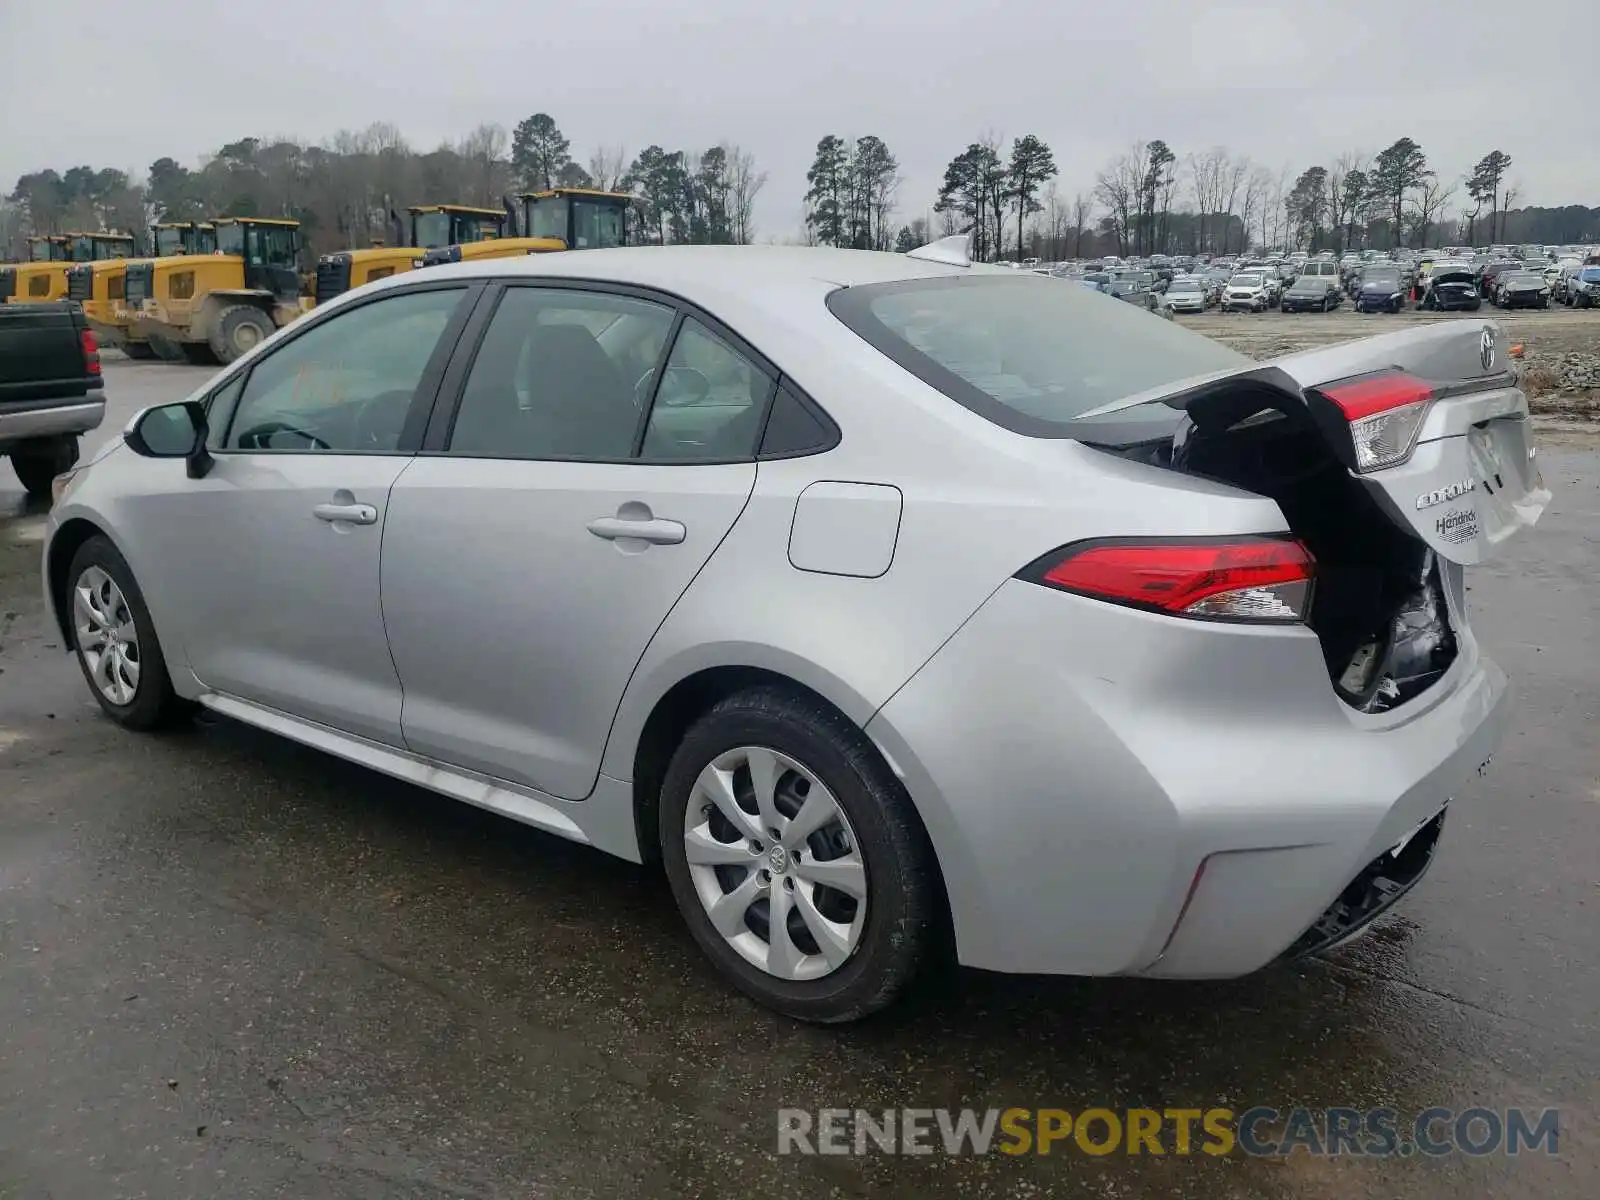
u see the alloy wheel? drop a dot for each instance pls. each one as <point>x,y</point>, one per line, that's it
<point>775,863</point>
<point>108,639</point>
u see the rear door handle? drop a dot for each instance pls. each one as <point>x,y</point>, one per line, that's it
<point>355,514</point>
<point>655,530</point>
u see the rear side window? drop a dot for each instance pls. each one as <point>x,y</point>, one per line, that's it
<point>1022,351</point>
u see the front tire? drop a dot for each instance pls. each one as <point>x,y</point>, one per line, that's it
<point>138,351</point>
<point>239,329</point>
<point>776,806</point>
<point>115,640</point>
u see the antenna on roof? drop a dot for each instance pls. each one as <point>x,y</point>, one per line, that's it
<point>956,250</point>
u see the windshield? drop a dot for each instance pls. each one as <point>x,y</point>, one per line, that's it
<point>81,249</point>
<point>1590,274</point>
<point>1248,279</point>
<point>169,242</point>
<point>230,239</point>
<point>1182,285</point>
<point>1386,278</point>
<point>45,251</point>
<point>1022,352</point>
<point>547,218</point>
<point>429,231</point>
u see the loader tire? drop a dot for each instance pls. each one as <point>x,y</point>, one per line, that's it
<point>239,329</point>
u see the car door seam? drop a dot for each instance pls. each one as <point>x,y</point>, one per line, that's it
<point>627,686</point>
<point>383,616</point>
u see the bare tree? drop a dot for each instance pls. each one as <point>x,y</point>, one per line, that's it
<point>745,184</point>
<point>1237,174</point>
<point>484,152</point>
<point>607,166</point>
<point>1117,187</point>
<point>1082,214</point>
<point>1351,161</point>
<point>1255,195</point>
<point>1206,174</point>
<point>1428,207</point>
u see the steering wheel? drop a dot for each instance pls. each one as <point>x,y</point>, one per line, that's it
<point>361,422</point>
<point>256,437</point>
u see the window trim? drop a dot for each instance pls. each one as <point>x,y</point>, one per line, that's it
<point>441,422</point>
<point>422,398</point>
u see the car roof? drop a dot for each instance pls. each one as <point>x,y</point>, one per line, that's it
<point>754,268</point>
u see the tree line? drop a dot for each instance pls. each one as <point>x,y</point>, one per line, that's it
<point>342,190</point>
<point>1149,199</point>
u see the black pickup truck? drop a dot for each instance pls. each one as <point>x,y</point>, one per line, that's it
<point>50,389</point>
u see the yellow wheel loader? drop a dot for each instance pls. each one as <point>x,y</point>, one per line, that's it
<point>101,287</point>
<point>43,278</point>
<point>428,227</point>
<point>215,307</point>
<point>556,219</point>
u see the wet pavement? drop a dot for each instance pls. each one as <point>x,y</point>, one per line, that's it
<point>233,967</point>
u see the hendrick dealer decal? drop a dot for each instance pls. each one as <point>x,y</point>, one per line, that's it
<point>1457,526</point>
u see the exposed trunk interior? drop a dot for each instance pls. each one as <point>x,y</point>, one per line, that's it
<point>1378,606</point>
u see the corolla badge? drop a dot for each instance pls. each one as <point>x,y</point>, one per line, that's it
<point>1441,495</point>
<point>1486,348</point>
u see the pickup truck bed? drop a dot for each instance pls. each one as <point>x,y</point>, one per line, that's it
<point>50,389</point>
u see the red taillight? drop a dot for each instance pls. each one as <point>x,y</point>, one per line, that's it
<point>1383,414</point>
<point>91,351</point>
<point>1374,394</point>
<point>1232,579</point>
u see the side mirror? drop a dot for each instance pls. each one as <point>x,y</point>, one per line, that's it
<point>173,431</point>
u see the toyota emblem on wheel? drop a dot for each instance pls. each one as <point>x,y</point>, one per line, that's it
<point>1486,348</point>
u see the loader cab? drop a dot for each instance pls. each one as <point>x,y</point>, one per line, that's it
<point>270,250</point>
<point>50,248</point>
<point>582,218</point>
<point>170,239</point>
<point>436,225</point>
<point>98,247</point>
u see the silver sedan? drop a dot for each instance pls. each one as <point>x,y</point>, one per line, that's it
<point>892,603</point>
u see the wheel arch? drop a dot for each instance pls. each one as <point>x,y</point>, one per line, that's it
<point>72,534</point>
<point>683,703</point>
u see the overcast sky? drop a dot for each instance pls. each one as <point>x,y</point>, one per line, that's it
<point>1289,82</point>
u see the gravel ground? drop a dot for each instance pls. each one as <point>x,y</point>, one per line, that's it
<point>1562,356</point>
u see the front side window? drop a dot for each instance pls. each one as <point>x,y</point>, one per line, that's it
<point>561,374</point>
<point>595,226</point>
<point>471,229</point>
<point>168,242</point>
<point>709,403</point>
<point>344,385</point>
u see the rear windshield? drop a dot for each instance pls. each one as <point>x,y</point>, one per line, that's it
<point>1025,352</point>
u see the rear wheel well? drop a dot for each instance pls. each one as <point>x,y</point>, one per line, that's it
<point>683,704</point>
<point>69,537</point>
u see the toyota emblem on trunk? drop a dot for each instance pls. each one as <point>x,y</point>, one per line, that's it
<point>1486,348</point>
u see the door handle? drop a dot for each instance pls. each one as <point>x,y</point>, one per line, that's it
<point>355,514</point>
<point>655,530</point>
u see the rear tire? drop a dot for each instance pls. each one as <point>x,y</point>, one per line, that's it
<point>882,940</point>
<point>239,329</point>
<point>138,351</point>
<point>38,464</point>
<point>115,641</point>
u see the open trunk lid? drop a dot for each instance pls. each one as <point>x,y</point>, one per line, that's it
<point>1429,421</point>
